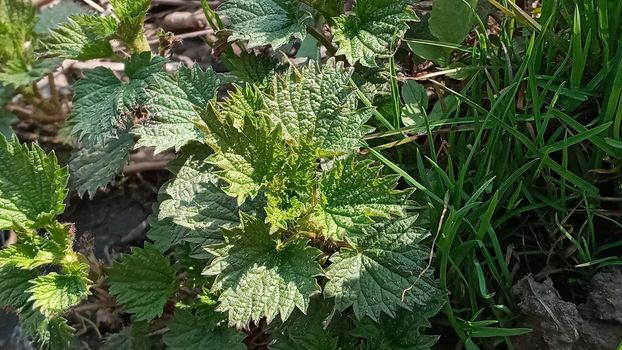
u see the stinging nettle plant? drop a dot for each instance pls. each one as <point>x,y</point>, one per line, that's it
<point>272,221</point>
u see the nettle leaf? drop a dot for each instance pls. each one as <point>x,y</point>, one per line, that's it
<point>259,277</point>
<point>105,109</point>
<point>318,105</point>
<point>27,255</point>
<point>199,85</point>
<point>194,200</point>
<point>51,16</point>
<point>52,334</point>
<point>131,14</point>
<point>53,294</point>
<point>16,73</point>
<point>202,329</point>
<point>265,22</point>
<point>404,332</point>
<point>134,337</point>
<point>143,282</point>
<point>32,186</point>
<point>13,285</point>
<point>83,37</point>
<point>370,30</point>
<point>254,68</point>
<point>386,271</point>
<point>352,193</point>
<point>172,117</point>
<point>97,162</point>
<point>247,157</point>
<point>306,331</point>
<point>103,103</point>
<point>6,122</point>
<point>17,21</point>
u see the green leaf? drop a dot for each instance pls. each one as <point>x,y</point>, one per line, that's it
<point>259,277</point>
<point>247,157</point>
<point>194,200</point>
<point>200,86</point>
<point>51,16</point>
<point>254,68</point>
<point>105,109</point>
<point>371,29</point>
<point>13,285</point>
<point>452,20</point>
<point>133,337</point>
<point>404,332</point>
<point>415,107</point>
<point>265,22</point>
<point>83,37</point>
<point>6,121</point>
<point>143,282</point>
<point>97,162</point>
<point>105,105</point>
<point>27,255</point>
<point>32,186</point>
<point>306,331</point>
<point>53,294</point>
<point>201,331</point>
<point>386,272</point>
<point>172,117</point>
<point>352,193</point>
<point>317,105</point>
<point>17,21</point>
<point>131,14</point>
<point>17,73</point>
<point>52,334</point>
<point>328,8</point>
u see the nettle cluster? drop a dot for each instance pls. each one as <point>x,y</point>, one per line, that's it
<point>274,229</point>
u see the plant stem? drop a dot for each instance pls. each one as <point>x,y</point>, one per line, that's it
<point>330,49</point>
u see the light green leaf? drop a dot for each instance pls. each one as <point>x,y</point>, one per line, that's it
<point>265,22</point>
<point>352,193</point>
<point>32,185</point>
<point>83,37</point>
<point>133,337</point>
<point>13,285</point>
<point>17,21</point>
<point>54,294</point>
<point>194,200</point>
<point>143,282</point>
<point>370,30</point>
<point>452,20</point>
<point>98,161</point>
<point>26,255</point>
<point>385,273</point>
<point>201,331</point>
<point>318,105</point>
<point>16,73</point>
<point>259,277</point>
<point>247,157</point>
<point>415,107</point>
